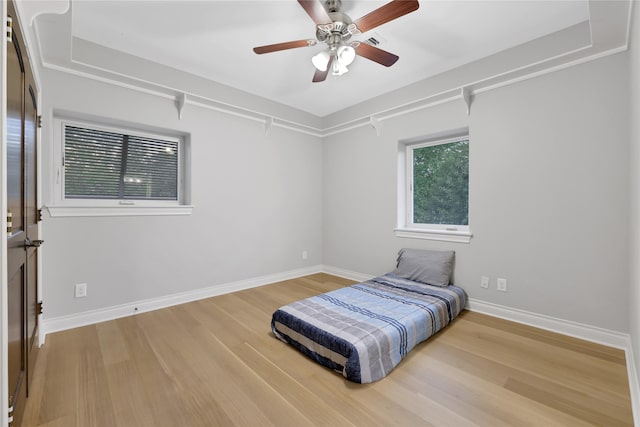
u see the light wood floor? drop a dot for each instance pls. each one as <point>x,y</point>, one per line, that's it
<point>215,362</point>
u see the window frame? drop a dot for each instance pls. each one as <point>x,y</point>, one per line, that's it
<point>63,206</point>
<point>406,227</point>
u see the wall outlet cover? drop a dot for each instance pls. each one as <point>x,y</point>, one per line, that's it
<point>81,290</point>
<point>484,282</point>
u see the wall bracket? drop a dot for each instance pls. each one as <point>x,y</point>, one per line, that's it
<point>182,100</point>
<point>376,125</point>
<point>268,124</point>
<point>466,97</point>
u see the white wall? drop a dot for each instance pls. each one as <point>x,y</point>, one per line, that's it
<point>549,181</point>
<point>257,206</point>
<point>634,195</point>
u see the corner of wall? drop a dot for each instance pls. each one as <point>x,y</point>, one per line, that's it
<point>633,351</point>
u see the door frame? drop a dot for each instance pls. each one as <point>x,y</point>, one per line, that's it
<point>4,387</point>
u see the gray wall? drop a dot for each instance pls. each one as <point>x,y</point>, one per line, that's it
<point>549,185</point>
<point>634,195</point>
<point>257,206</point>
<point>548,203</point>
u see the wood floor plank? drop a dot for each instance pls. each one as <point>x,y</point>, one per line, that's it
<point>160,394</point>
<point>483,399</point>
<point>215,362</point>
<point>128,395</point>
<point>112,345</point>
<point>499,374</point>
<point>184,360</point>
<point>559,399</point>
<point>558,340</point>
<point>520,352</point>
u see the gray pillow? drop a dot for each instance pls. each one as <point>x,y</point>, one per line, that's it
<point>425,266</point>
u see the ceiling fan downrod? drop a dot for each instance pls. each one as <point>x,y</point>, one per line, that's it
<point>333,5</point>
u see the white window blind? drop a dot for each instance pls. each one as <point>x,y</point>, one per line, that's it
<point>100,164</point>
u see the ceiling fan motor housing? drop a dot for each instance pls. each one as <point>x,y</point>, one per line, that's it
<point>340,27</point>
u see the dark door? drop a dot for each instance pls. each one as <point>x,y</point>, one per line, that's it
<point>22,237</point>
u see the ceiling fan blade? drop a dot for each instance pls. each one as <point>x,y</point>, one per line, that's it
<point>376,54</point>
<point>321,76</point>
<point>283,46</point>
<point>316,11</point>
<point>386,13</point>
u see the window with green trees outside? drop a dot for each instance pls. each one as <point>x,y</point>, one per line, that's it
<point>439,183</point>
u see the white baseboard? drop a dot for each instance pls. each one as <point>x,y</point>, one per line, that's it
<point>91,317</point>
<point>347,274</point>
<point>553,324</point>
<point>634,386</point>
<point>109,313</point>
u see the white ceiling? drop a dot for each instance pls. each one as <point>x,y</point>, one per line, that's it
<point>214,39</point>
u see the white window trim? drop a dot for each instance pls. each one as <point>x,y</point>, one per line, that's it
<point>77,211</point>
<point>406,228</point>
<point>63,207</point>
<point>432,234</point>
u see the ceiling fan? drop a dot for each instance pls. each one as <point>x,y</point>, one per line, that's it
<point>335,28</point>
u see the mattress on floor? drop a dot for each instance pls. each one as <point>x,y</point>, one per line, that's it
<point>363,331</point>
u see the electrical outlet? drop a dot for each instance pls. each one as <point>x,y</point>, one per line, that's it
<point>484,282</point>
<point>305,255</point>
<point>81,290</point>
<point>502,285</point>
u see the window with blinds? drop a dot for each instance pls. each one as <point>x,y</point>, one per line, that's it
<point>100,164</point>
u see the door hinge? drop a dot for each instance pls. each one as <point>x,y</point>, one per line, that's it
<point>9,29</point>
<point>39,215</point>
<point>39,307</point>
<point>9,222</point>
<point>39,121</point>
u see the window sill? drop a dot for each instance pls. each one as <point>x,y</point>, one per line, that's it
<point>79,211</point>
<point>431,234</point>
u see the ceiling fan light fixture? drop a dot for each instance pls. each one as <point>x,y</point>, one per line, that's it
<point>345,55</point>
<point>339,69</point>
<point>321,60</point>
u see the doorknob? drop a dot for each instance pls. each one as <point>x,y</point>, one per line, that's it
<point>28,243</point>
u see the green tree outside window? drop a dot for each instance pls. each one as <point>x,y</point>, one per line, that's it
<point>441,183</point>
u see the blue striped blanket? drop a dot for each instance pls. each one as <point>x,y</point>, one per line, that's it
<point>363,331</point>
